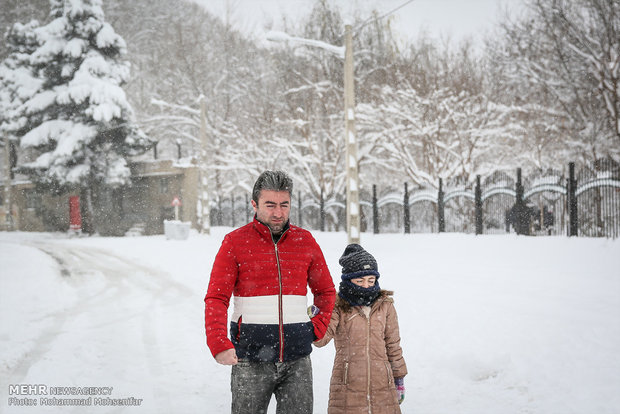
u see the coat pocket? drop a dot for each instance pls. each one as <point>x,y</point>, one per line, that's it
<point>390,375</point>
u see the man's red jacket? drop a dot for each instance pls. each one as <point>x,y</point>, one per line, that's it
<point>269,282</point>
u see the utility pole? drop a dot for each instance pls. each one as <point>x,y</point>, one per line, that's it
<point>352,176</point>
<point>353,201</point>
<point>203,208</point>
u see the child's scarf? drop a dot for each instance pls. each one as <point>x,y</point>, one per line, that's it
<point>357,295</point>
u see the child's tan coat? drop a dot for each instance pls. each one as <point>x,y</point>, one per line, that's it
<point>368,358</point>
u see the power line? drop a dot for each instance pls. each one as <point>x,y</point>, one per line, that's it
<point>371,19</point>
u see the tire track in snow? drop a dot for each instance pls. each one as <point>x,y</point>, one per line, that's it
<point>120,285</point>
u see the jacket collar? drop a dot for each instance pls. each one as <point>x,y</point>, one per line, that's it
<point>265,231</point>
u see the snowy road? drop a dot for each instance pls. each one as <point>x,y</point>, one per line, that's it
<point>493,324</point>
<point>122,321</point>
<point>122,301</point>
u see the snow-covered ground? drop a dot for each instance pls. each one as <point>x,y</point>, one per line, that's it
<point>489,324</point>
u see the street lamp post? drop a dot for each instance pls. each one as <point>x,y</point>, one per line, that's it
<point>353,199</point>
<point>352,178</point>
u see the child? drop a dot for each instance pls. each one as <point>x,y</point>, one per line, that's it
<point>369,369</point>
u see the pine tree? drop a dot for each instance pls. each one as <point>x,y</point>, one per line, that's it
<point>17,83</point>
<point>79,122</point>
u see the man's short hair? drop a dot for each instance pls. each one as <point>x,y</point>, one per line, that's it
<point>272,180</point>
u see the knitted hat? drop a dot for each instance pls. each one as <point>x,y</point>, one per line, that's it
<point>357,262</point>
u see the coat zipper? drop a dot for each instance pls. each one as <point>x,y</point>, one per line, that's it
<point>368,362</point>
<point>280,315</point>
<point>280,321</point>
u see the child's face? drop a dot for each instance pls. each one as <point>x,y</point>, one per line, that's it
<point>365,281</point>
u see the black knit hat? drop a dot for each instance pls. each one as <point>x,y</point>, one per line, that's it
<point>357,262</point>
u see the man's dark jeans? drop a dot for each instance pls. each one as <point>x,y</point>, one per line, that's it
<point>253,383</point>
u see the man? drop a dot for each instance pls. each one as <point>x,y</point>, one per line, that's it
<point>268,265</point>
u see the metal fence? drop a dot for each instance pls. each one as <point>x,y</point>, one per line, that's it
<point>584,203</point>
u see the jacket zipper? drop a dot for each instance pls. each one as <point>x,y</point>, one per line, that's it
<point>280,321</point>
<point>280,315</point>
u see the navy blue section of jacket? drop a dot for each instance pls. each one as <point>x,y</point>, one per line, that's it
<point>261,342</point>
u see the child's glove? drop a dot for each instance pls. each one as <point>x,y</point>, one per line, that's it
<point>313,311</point>
<point>400,388</point>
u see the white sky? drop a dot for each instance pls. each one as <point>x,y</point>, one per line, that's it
<point>440,18</point>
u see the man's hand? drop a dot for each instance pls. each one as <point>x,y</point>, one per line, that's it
<point>228,357</point>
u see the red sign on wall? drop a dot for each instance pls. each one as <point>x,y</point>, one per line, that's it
<point>75,216</point>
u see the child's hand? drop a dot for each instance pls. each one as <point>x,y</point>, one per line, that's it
<point>313,311</point>
<point>400,388</point>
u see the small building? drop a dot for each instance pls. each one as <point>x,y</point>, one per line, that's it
<point>141,206</point>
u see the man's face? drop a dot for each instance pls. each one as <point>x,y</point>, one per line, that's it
<point>273,209</point>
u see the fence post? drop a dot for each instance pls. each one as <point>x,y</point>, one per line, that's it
<point>573,222</point>
<point>299,219</point>
<point>375,211</point>
<point>406,210</point>
<point>520,214</point>
<point>478,202</point>
<point>322,212</point>
<point>440,208</point>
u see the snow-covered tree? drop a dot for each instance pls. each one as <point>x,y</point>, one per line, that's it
<point>565,56</point>
<point>19,11</point>
<point>80,126</point>
<point>441,135</point>
<point>192,54</point>
<point>17,82</point>
<point>310,133</point>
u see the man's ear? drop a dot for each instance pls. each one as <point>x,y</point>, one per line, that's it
<point>254,206</point>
